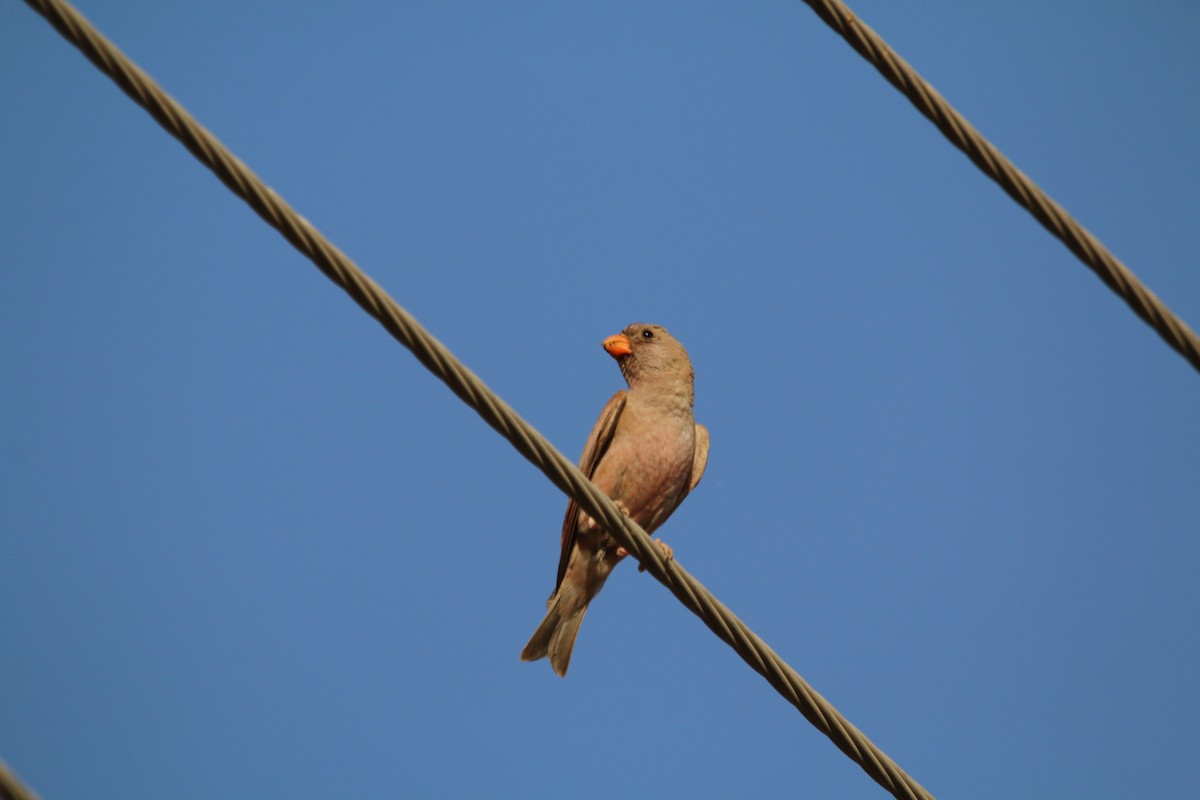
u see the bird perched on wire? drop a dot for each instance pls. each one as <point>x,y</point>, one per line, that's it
<point>646,452</point>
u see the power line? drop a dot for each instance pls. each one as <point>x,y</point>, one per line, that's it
<point>11,787</point>
<point>1019,187</point>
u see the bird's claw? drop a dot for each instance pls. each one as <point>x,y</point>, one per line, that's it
<point>591,526</point>
<point>668,553</point>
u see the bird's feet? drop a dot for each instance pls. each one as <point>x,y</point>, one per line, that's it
<point>591,526</point>
<point>668,552</point>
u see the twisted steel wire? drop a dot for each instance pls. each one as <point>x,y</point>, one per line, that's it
<point>11,787</point>
<point>528,442</point>
<point>1019,187</point>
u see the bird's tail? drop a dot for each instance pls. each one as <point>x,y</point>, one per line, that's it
<point>555,637</point>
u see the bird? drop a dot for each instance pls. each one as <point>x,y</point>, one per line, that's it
<point>646,452</point>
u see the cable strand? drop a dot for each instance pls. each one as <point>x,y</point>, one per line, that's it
<point>1053,217</point>
<point>11,787</point>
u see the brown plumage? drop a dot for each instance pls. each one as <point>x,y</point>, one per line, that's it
<point>646,452</point>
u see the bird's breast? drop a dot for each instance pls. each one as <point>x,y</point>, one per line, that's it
<point>648,467</point>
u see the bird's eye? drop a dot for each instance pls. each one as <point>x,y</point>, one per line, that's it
<point>647,333</point>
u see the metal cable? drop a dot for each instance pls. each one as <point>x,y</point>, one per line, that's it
<point>1019,187</point>
<point>11,787</point>
<point>528,442</point>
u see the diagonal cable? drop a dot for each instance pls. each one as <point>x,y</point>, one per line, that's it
<point>1019,187</point>
<point>11,787</point>
<point>342,271</point>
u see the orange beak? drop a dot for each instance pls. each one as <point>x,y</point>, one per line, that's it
<point>617,346</point>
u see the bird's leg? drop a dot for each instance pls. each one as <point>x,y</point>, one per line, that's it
<point>668,553</point>
<point>591,526</point>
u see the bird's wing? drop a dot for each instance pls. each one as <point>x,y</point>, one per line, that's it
<point>593,451</point>
<point>699,456</point>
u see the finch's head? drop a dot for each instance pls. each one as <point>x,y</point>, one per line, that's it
<point>648,351</point>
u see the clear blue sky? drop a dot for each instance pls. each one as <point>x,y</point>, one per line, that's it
<point>249,547</point>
